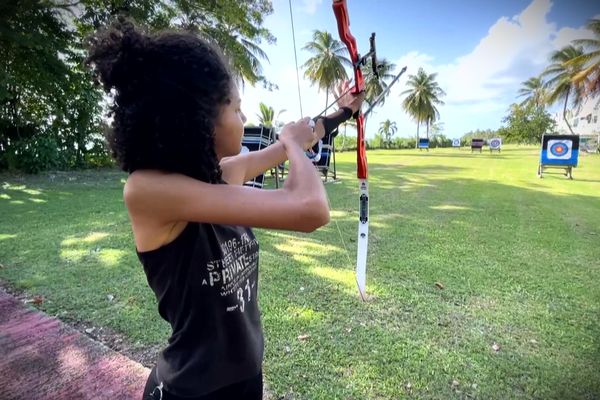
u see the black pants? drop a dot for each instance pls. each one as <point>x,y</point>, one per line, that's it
<point>251,389</point>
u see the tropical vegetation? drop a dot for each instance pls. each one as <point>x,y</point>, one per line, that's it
<point>266,117</point>
<point>387,129</point>
<point>589,62</point>
<point>526,124</point>
<point>535,92</point>
<point>422,97</point>
<point>375,84</point>
<point>326,66</point>
<point>561,83</point>
<point>51,114</point>
<point>572,77</point>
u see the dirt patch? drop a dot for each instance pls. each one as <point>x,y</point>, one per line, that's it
<point>145,355</point>
<point>112,339</point>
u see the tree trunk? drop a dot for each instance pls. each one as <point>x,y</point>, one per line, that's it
<point>565,113</point>
<point>14,110</point>
<point>417,142</point>
<point>427,129</point>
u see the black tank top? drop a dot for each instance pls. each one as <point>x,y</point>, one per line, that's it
<point>206,284</point>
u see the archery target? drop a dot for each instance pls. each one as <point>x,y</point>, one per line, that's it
<point>455,142</point>
<point>495,143</point>
<point>559,149</point>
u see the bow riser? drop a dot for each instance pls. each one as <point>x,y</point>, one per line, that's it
<point>343,22</point>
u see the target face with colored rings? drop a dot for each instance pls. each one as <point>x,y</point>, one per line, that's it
<point>495,143</point>
<point>559,149</point>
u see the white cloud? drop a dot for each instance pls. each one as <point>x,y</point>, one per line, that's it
<point>485,81</point>
<point>483,74</point>
<point>310,6</point>
<point>566,35</point>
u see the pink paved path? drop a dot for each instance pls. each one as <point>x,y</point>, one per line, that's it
<point>42,358</point>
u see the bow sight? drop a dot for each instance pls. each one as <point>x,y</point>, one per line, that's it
<point>372,54</point>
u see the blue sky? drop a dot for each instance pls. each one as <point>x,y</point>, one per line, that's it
<point>481,51</point>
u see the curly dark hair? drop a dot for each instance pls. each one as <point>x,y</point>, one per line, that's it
<point>169,88</point>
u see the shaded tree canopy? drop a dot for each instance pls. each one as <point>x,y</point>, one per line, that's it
<point>50,110</point>
<point>526,124</point>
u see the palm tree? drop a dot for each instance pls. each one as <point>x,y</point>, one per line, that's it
<point>432,115</point>
<point>387,129</point>
<point>561,84</point>
<point>238,38</point>
<point>267,115</point>
<point>352,123</point>
<point>589,62</point>
<point>535,91</point>
<point>243,54</point>
<point>326,66</point>
<point>374,85</point>
<point>423,95</point>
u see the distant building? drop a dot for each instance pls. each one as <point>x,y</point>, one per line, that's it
<point>585,122</point>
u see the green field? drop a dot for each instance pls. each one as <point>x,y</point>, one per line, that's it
<point>485,280</point>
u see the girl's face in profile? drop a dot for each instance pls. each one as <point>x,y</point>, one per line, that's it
<point>229,128</point>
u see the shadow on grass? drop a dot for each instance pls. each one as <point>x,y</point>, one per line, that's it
<point>516,264</point>
<point>518,267</point>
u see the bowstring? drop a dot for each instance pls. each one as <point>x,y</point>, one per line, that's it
<point>296,57</point>
<point>322,112</point>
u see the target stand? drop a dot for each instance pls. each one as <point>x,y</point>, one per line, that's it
<point>495,145</point>
<point>559,152</point>
<point>477,144</point>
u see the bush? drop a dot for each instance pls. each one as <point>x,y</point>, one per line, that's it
<point>35,154</point>
<point>99,155</point>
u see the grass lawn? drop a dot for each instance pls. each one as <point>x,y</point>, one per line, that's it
<point>485,280</point>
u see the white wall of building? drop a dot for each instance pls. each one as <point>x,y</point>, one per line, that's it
<point>585,119</point>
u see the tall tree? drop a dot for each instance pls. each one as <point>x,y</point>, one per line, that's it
<point>348,123</point>
<point>47,98</point>
<point>234,26</point>
<point>561,75</point>
<point>423,95</point>
<point>387,129</point>
<point>266,117</point>
<point>432,115</point>
<point>526,124</point>
<point>589,61</point>
<point>374,85</point>
<point>326,66</point>
<point>534,91</point>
